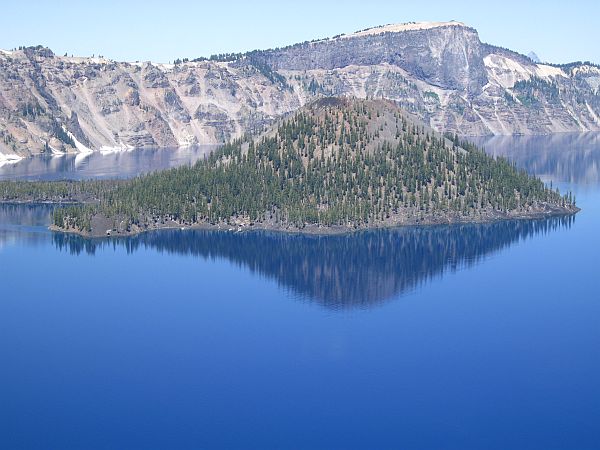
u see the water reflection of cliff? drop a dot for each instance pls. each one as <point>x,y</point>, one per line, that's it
<point>562,157</point>
<point>25,215</point>
<point>24,223</point>
<point>357,270</point>
<point>125,164</point>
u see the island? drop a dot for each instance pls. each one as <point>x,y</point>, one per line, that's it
<point>336,165</point>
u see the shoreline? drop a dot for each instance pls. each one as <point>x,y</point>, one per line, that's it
<point>10,159</point>
<point>319,230</point>
<point>104,150</point>
<point>44,202</point>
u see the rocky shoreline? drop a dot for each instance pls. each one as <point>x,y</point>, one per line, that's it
<point>102,229</point>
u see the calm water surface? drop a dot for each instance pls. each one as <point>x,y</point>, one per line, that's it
<point>125,164</point>
<point>461,337</point>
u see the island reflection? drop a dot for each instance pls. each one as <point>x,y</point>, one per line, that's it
<point>357,270</point>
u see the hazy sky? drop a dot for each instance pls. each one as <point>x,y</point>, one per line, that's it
<point>558,31</point>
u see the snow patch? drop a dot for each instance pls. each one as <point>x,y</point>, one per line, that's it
<point>401,27</point>
<point>80,147</point>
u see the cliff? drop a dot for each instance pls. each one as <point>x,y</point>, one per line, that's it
<point>440,72</point>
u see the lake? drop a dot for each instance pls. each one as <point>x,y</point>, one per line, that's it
<point>117,164</point>
<point>454,337</point>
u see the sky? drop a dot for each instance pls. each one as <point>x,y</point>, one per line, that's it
<point>162,31</point>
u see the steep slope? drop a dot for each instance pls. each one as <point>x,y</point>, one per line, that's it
<point>60,104</point>
<point>448,55</point>
<point>440,72</point>
<point>337,164</point>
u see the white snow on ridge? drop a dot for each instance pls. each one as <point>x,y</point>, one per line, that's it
<point>400,27</point>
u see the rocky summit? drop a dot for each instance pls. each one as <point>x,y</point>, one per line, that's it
<point>440,72</point>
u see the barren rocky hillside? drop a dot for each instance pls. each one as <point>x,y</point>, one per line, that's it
<point>440,72</point>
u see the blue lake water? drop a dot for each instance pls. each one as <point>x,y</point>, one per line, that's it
<point>124,164</point>
<point>450,337</point>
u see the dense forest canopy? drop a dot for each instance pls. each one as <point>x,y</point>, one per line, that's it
<point>337,162</point>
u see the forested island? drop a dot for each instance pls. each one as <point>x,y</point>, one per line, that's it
<point>336,165</point>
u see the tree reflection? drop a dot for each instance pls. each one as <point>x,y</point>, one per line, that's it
<point>347,271</point>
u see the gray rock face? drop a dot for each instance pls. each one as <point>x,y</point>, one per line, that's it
<point>439,72</point>
<point>446,56</point>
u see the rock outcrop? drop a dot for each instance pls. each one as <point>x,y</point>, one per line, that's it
<point>440,72</point>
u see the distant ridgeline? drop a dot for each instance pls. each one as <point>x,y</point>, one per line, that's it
<point>337,164</point>
<point>439,71</point>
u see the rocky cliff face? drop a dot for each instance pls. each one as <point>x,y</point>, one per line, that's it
<point>59,104</point>
<point>449,56</point>
<point>440,72</point>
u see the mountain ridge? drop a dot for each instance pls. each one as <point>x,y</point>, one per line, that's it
<point>440,72</point>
